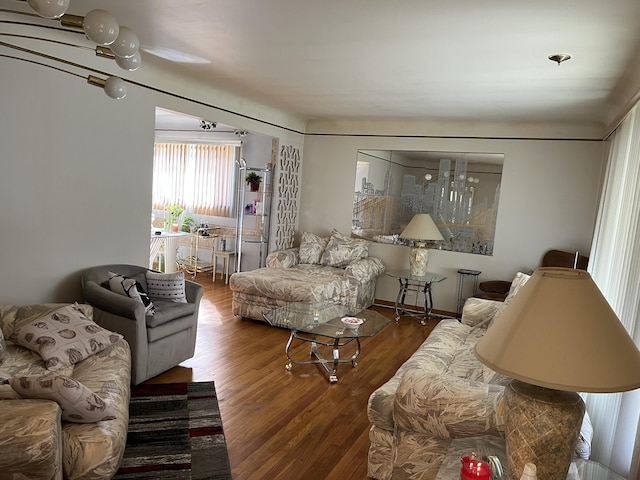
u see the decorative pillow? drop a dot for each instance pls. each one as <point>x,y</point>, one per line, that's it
<point>78,403</point>
<point>166,286</point>
<point>311,248</point>
<point>518,282</point>
<point>342,250</point>
<point>129,287</point>
<point>63,337</point>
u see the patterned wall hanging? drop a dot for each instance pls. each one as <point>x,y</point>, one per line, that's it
<point>288,189</point>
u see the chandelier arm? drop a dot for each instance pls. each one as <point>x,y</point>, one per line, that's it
<point>59,42</point>
<point>53,58</point>
<point>42,64</point>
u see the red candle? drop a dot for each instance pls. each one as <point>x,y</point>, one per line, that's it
<point>474,469</point>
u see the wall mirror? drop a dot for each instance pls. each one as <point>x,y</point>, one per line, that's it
<point>460,190</point>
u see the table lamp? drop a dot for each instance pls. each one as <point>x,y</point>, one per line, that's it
<point>557,336</point>
<point>421,230</point>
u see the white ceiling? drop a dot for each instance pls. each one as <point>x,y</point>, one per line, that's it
<point>467,60</point>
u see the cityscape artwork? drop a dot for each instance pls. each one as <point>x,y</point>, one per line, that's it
<point>460,191</point>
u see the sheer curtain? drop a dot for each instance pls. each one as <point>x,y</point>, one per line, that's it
<point>615,267</point>
<point>196,176</point>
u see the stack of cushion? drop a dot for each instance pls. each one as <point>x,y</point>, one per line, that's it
<point>338,250</point>
<point>62,337</point>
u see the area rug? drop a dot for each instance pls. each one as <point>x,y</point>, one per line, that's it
<point>175,432</point>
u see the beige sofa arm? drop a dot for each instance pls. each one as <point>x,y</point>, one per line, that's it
<point>364,269</point>
<point>446,406</point>
<point>283,258</point>
<point>479,311</point>
<point>31,439</point>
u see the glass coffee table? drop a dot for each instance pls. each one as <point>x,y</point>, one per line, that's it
<point>322,324</point>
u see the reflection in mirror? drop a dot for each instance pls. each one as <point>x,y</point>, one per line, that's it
<point>460,190</point>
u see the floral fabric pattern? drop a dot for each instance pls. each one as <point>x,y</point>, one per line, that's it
<point>439,401</point>
<point>342,250</point>
<point>437,395</point>
<point>35,438</point>
<point>283,258</point>
<point>258,291</point>
<point>311,248</point>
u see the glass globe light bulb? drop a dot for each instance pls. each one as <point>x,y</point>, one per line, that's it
<point>129,63</point>
<point>115,88</point>
<point>49,8</point>
<point>101,27</point>
<point>127,43</point>
<point>428,177</point>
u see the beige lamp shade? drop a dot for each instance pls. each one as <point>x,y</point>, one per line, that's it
<point>559,332</point>
<point>421,228</point>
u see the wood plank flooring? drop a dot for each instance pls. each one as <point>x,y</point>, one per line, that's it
<point>294,424</point>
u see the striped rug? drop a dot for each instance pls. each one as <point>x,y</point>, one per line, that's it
<point>175,432</point>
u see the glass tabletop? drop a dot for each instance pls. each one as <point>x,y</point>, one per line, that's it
<point>326,319</point>
<point>406,275</point>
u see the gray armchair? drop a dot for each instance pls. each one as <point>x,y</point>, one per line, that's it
<point>158,342</point>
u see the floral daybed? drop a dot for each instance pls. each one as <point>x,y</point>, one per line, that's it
<point>334,269</point>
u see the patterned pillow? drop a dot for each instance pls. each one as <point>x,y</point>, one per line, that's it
<point>129,287</point>
<point>166,286</point>
<point>78,403</point>
<point>342,250</point>
<point>63,337</point>
<point>518,282</point>
<point>311,248</point>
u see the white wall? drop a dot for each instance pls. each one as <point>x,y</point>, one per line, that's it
<point>548,200</point>
<point>76,171</point>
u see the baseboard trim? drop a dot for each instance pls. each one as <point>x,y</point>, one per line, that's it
<point>438,313</point>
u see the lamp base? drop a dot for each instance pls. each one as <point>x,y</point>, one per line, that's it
<point>542,427</point>
<point>418,261</point>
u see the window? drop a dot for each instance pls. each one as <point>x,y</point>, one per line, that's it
<point>198,177</point>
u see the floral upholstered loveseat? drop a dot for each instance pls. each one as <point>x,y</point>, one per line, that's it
<point>442,397</point>
<point>334,269</point>
<point>66,416</point>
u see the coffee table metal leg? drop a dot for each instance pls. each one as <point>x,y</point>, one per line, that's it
<point>330,367</point>
<point>289,365</point>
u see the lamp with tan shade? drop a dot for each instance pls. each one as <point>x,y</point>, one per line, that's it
<point>421,230</point>
<point>558,336</point>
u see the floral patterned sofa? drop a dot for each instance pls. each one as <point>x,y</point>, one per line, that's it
<point>334,269</point>
<point>61,416</point>
<point>440,398</point>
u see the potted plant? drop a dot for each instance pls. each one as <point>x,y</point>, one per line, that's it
<point>253,179</point>
<point>172,222</point>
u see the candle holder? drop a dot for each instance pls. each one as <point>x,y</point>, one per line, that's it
<point>474,468</point>
<point>481,467</point>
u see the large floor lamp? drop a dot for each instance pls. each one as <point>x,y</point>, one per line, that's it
<point>558,336</point>
<point>422,231</point>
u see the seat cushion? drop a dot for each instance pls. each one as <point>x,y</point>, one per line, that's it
<point>166,311</point>
<point>300,283</point>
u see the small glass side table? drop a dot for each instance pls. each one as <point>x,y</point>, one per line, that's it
<point>411,283</point>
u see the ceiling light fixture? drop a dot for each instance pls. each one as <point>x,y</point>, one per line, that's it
<point>559,57</point>
<point>113,41</point>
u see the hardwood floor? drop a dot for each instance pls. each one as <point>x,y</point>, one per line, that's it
<point>293,424</point>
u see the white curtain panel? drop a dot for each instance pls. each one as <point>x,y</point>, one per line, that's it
<point>615,267</point>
